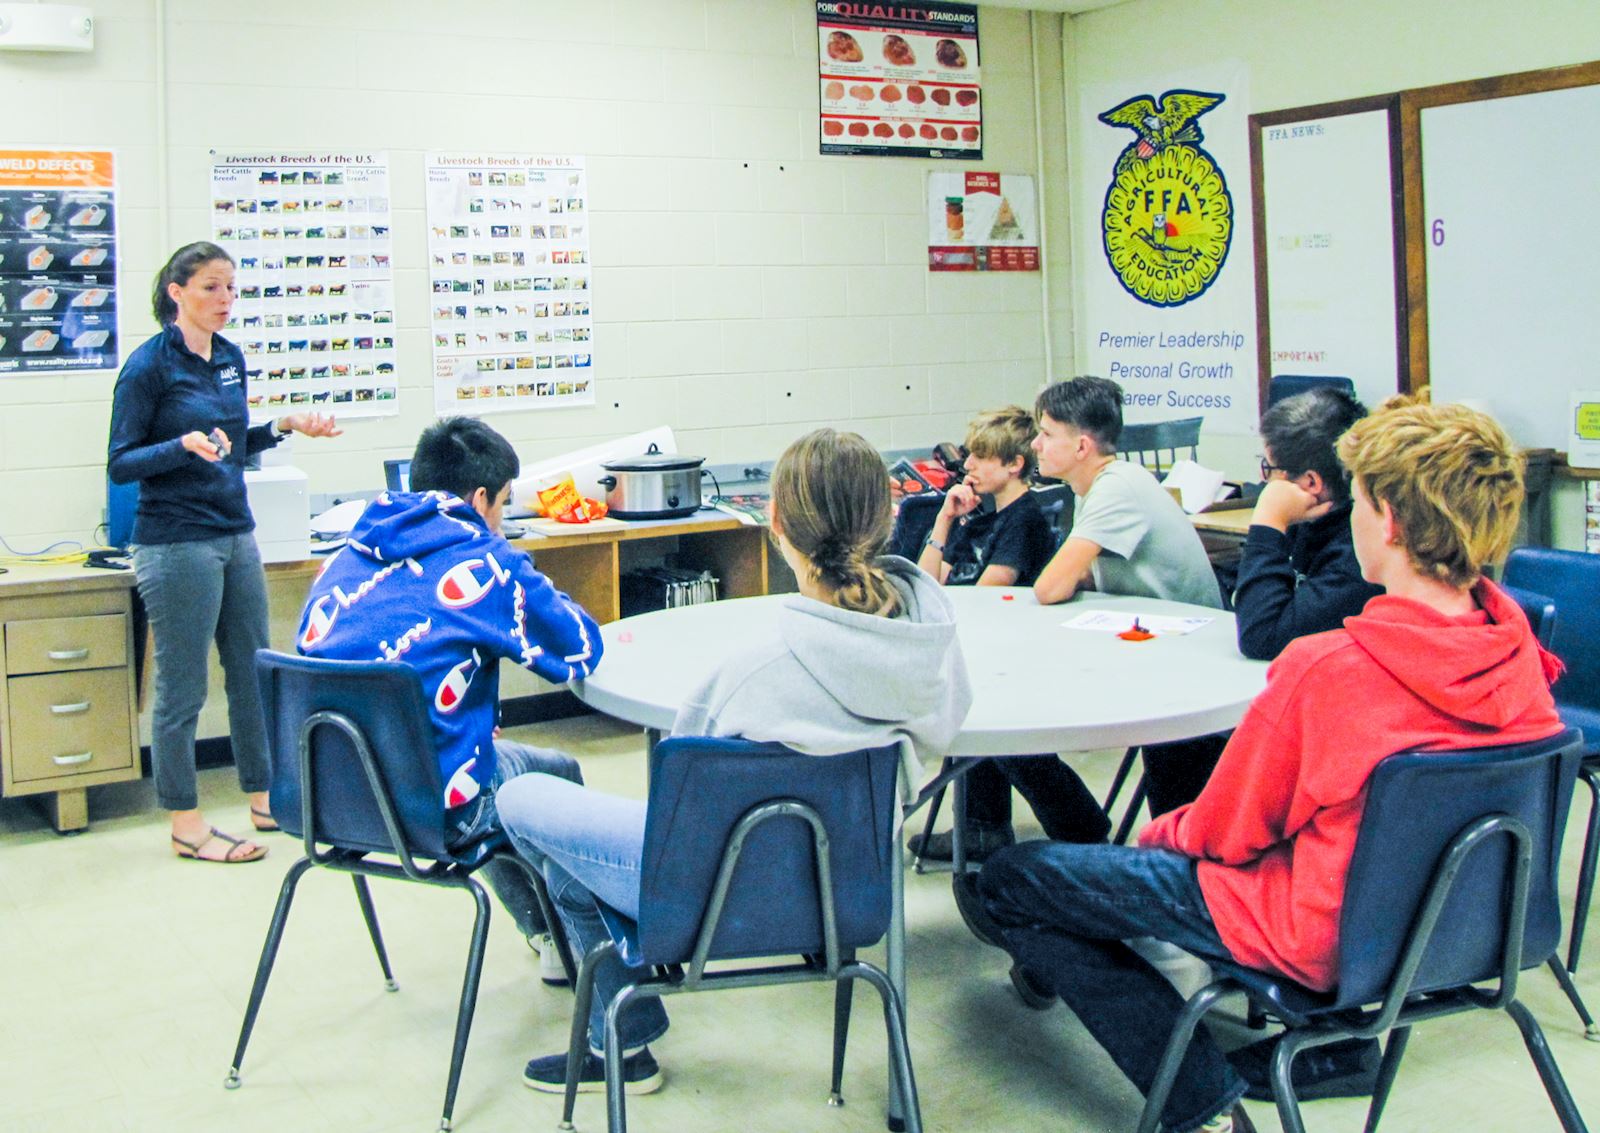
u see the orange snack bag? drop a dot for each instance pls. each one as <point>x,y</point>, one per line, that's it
<point>560,500</point>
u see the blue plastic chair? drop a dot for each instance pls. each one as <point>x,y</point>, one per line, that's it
<point>355,773</point>
<point>1572,580</point>
<point>1539,609</point>
<point>1453,883</point>
<point>912,522</point>
<point>752,851</point>
<point>1287,385</point>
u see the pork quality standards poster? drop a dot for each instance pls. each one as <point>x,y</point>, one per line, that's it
<point>899,80</point>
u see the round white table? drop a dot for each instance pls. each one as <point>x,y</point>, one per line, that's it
<point>1037,685</point>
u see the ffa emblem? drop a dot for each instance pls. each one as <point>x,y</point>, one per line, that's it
<point>1168,217</point>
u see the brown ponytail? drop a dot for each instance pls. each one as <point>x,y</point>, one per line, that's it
<point>830,492</point>
<point>180,269</point>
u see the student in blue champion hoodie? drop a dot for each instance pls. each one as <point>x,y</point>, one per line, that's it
<point>427,579</point>
<point>180,429</point>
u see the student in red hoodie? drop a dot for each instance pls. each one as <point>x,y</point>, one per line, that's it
<point>1254,869</point>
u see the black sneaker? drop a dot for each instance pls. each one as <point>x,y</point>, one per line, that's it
<point>970,905</point>
<point>640,1074</point>
<point>1347,1068</point>
<point>1033,991</point>
<point>981,842</point>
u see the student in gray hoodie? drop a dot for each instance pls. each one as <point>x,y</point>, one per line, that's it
<point>864,656</point>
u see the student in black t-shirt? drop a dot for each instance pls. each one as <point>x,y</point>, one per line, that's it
<point>990,532</point>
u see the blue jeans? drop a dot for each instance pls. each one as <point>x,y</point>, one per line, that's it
<point>1065,911</point>
<point>481,817</point>
<point>195,592</point>
<point>590,846</point>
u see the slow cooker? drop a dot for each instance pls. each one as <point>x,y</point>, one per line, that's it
<point>656,485</point>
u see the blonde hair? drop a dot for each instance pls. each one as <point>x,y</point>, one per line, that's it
<point>830,497</point>
<point>1451,477</point>
<point>1003,435</point>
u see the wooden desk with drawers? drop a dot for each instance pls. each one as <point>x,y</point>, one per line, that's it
<point>69,716</point>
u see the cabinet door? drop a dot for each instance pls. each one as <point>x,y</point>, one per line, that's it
<point>65,724</point>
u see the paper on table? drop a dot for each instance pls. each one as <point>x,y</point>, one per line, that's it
<point>1115,621</point>
<point>1198,487</point>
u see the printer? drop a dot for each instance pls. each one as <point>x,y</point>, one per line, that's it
<point>281,505</point>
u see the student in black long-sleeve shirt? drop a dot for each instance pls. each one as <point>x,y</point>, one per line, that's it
<point>1298,574</point>
<point>180,427</point>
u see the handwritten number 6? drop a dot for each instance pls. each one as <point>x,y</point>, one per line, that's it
<point>1438,233</point>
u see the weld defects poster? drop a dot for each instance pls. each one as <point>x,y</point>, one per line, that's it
<point>1169,287</point>
<point>310,235</point>
<point>58,261</point>
<point>899,80</point>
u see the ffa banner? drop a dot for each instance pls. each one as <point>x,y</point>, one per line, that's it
<point>1169,282</point>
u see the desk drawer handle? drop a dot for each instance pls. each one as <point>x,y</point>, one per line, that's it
<point>68,654</point>
<point>72,760</point>
<point>69,709</point>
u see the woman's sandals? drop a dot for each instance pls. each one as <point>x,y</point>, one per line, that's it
<point>236,854</point>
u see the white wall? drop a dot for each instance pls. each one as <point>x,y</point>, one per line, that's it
<point>745,289</point>
<point>1300,54</point>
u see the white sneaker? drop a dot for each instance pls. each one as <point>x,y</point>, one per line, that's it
<point>551,973</point>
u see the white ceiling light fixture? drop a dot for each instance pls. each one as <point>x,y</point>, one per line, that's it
<point>46,27</point>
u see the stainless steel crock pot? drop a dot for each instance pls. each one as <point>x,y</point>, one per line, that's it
<point>657,485</point>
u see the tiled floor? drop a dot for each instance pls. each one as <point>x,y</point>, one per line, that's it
<point>124,972</point>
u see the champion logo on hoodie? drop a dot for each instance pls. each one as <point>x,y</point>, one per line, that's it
<point>319,621</point>
<point>457,680</point>
<point>461,587</point>
<point>462,788</point>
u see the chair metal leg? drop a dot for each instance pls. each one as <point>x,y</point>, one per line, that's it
<point>370,915</point>
<point>843,990</point>
<point>1586,870</point>
<point>899,1048</point>
<point>895,960</point>
<point>616,1098</point>
<point>550,916</point>
<point>469,999</point>
<point>1188,1019</point>
<point>269,954</point>
<point>1283,1085</point>
<point>1131,815</point>
<point>1554,1084</point>
<point>1120,778</point>
<point>933,815</point>
<point>578,1042</point>
<point>1394,1050</point>
<point>958,830</point>
<point>1564,978</point>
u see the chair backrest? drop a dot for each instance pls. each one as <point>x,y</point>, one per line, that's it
<point>1572,579</point>
<point>122,506</point>
<point>1417,803</point>
<point>384,702</point>
<point>1057,504</point>
<point>912,522</point>
<point>1287,385</point>
<point>699,790</point>
<point>1147,441</point>
<point>1539,609</point>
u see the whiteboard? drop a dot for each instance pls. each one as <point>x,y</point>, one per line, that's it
<point>1328,192</point>
<point>1510,188</point>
